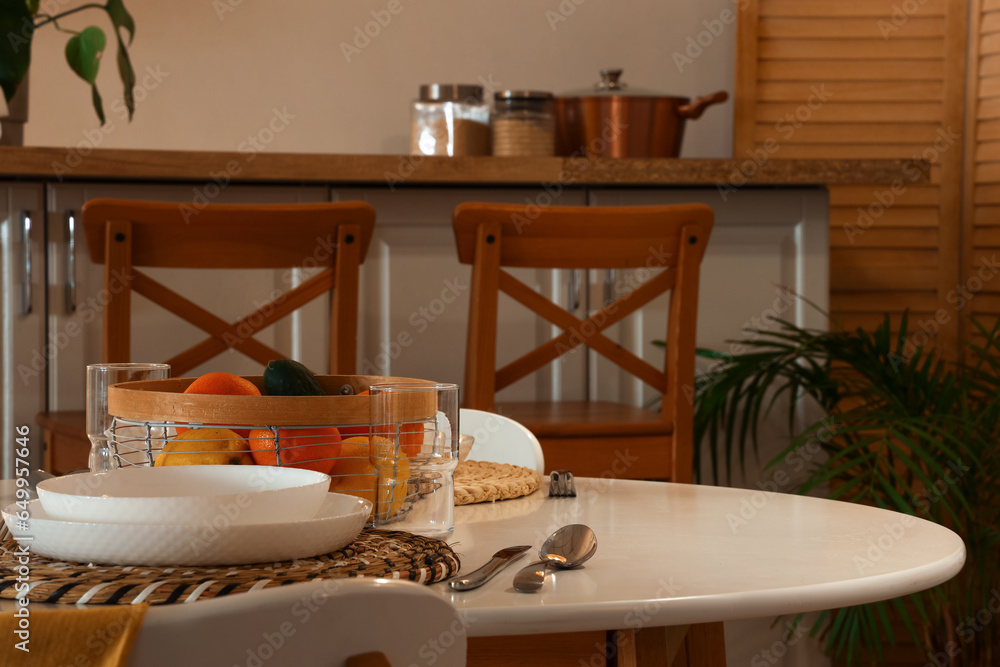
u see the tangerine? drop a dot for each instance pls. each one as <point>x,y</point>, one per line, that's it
<point>310,448</point>
<point>225,384</point>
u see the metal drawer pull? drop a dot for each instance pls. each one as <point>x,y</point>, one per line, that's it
<point>26,295</point>
<point>70,262</point>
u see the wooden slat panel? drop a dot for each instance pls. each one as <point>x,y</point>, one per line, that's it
<point>860,195</point>
<point>874,214</point>
<point>990,44</point>
<point>986,216</point>
<point>988,130</point>
<point>849,49</point>
<point>988,151</point>
<point>991,5</point>
<point>857,152</point>
<point>984,237</point>
<point>877,237</point>
<point>989,87</point>
<point>987,173</point>
<point>838,70</point>
<point>986,257</point>
<point>989,109</point>
<point>849,133</point>
<point>895,258</point>
<point>869,321</point>
<point>853,91</point>
<point>880,278</point>
<point>846,28</point>
<point>987,194</point>
<point>989,66</point>
<point>990,23</point>
<point>854,113</point>
<point>885,302</point>
<point>840,8</point>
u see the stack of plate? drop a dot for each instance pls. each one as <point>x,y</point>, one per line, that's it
<point>187,515</point>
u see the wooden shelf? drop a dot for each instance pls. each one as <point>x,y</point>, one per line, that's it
<point>402,170</point>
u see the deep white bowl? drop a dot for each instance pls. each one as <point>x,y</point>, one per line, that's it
<point>184,495</point>
<point>335,524</point>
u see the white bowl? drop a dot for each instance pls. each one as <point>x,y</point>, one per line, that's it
<point>334,525</point>
<point>186,495</point>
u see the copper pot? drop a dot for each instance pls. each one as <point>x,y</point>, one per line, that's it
<point>610,123</point>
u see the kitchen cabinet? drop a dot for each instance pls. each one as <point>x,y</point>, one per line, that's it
<point>22,335</point>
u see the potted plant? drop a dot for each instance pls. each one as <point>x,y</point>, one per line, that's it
<point>19,19</point>
<point>902,430</point>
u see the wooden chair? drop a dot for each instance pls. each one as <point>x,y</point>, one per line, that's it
<point>587,437</point>
<point>125,235</point>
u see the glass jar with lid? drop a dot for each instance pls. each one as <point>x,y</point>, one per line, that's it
<point>450,119</point>
<point>523,123</point>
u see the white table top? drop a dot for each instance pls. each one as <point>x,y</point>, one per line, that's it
<point>672,554</point>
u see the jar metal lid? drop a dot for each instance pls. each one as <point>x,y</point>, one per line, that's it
<point>451,92</point>
<point>522,95</point>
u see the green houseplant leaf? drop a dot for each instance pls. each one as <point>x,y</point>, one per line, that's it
<point>17,29</point>
<point>122,20</point>
<point>903,430</point>
<point>83,53</point>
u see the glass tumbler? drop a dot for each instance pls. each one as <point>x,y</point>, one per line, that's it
<point>414,451</point>
<point>99,378</point>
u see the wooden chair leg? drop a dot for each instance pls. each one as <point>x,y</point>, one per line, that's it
<point>701,645</point>
<point>705,645</point>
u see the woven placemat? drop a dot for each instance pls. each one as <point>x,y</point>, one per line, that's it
<point>482,481</point>
<point>375,553</point>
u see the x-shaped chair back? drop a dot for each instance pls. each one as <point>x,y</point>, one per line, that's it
<point>493,236</point>
<point>124,235</point>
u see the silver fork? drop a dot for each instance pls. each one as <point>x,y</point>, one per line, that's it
<point>561,484</point>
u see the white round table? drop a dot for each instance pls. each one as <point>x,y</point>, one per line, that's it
<point>676,554</point>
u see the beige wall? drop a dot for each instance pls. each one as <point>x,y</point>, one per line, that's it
<point>226,64</point>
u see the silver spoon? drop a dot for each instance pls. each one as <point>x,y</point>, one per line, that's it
<point>568,547</point>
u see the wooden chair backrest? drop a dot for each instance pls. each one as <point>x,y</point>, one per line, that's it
<point>126,234</point>
<point>673,238</point>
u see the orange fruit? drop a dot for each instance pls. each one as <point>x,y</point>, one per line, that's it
<point>410,438</point>
<point>355,475</point>
<point>310,448</point>
<point>225,384</point>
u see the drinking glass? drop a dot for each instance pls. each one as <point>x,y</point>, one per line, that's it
<point>99,378</point>
<point>414,451</point>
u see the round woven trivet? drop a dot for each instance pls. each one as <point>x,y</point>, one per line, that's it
<point>482,481</point>
<point>375,553</point>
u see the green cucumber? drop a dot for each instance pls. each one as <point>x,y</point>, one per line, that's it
<point>286,377</point>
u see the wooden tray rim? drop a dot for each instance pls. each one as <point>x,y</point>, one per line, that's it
<point>163,401</point>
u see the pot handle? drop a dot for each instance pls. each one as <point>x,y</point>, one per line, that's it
<point>697,108</point>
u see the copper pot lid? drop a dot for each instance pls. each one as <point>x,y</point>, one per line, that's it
<point>611,85</point>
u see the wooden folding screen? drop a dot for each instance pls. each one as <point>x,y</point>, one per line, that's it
<point>982,191</point>
<point>868,79</point>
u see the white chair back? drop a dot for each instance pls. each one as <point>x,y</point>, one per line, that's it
<point>316,624</point>
<point>500,439</point>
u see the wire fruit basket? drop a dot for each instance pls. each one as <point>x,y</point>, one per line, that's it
<point>156,423</point>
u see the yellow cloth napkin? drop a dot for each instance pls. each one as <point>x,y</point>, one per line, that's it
<point>97,637</point>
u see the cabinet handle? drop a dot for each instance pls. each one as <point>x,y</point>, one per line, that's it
<point>609,287</point>
<point>70,262</point>
<point>573,291</point>
<point>26,277</point>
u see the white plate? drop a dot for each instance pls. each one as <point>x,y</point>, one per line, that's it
<point>338,521</point>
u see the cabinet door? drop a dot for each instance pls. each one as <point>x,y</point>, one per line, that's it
<point>415,294</point>
<point>76,294</point>
<point>764,241</point>
<point>24,350</point>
